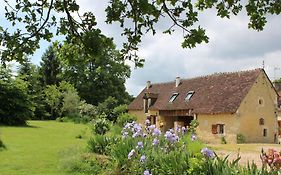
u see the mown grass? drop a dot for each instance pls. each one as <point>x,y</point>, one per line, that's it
<point>35,149</point>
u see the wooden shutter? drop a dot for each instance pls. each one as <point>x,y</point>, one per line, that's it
<point>214,129</point>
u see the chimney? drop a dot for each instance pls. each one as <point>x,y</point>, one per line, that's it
<point>178,81</point>
<point>148,84</point>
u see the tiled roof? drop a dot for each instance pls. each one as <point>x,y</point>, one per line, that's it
<point>217,93</point>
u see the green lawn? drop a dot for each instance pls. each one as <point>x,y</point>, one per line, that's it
<point>35,149</point>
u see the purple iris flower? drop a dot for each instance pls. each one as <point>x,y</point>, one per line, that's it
<point>131,153</point>
<point>147,122</point>
<point>125,134</point>
<point>171,137</point>
<point>142,159</point>
<point>156,132</point>
<point>140,145</point>
<point>193,137</point>
<point>146,172</point>
<point>151,128</point>
<point>155,142</point>
<point>184,130</point>
<point>207,152</point>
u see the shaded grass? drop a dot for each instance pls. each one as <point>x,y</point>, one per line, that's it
<point>34,149</point>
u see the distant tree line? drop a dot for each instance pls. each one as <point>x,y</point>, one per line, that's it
<point>69,77</point>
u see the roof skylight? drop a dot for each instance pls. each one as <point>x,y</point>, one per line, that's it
<point>173,97</point>
<point>188,96</point>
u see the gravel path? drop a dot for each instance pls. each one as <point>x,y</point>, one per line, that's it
<point>252,155</point>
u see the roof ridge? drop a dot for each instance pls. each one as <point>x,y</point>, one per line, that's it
<point>210,75</point>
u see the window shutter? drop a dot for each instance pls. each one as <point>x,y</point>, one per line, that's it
<point>214,129</point>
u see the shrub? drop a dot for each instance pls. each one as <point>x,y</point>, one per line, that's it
<point>77,162</point>
<point>223,141</point>
<point>101,144</point>
<point>2,145</point>
<point>86,109</point>
<point>100,125</point>
<point>193,125</point>
<point>125,118</point>
<point>241,138</point>
<point>121,109</point>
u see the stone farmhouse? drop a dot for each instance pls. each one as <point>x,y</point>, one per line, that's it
<point>225,105</point>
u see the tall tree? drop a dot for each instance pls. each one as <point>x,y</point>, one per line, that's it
<point>95,68</point>
<point>15,104</point>
<point>29,73</point>
<point>50,67</point>
<point>136,17</point>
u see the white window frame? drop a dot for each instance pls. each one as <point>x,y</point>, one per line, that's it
<point>173,97</point>
<point>188,96</point>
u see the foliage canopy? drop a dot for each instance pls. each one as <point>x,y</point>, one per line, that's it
<point>45,18</point>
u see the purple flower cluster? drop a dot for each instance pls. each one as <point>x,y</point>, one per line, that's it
<point>171,136</point>
<point>155,142</point>
<point>133,129</point>
<point>208,153</point>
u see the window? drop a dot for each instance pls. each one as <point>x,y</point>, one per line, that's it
<point>218,129</point>
<point>261,121</point>
<point>188,96</point>
<point>261,101</point>
<point>173,97</point>
<point>145,105</point>
<point>264,132</point>
<point>214,129</point>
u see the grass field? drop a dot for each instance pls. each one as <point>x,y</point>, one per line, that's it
<point>35,149</point>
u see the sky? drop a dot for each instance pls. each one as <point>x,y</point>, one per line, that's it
<point>232,47</point>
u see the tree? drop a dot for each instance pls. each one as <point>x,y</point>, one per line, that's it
<point>52,99</point>
<point>50,67</point>
<point>136,17</point>
<point>62,98</point>
<point>30,73</point>
<point>95,68</point>
<point>15,104</point>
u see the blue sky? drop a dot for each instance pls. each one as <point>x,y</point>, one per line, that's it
<point>232,47</point>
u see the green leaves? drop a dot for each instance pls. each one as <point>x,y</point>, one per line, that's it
<point>41,20</point>
<point>196,36</point>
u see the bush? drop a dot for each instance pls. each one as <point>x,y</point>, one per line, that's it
<point>193,125</point>
<point>101,144</point>
<point>241,138</point>
<point>121,109</point>
<point>100,125</point>
<point>223,141</point>
<point>125,118</point>
<point>75,117</point>
<point>2,145</point>
<point>77,162</point>
<point>86,109</point>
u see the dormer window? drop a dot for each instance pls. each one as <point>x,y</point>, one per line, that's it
<point>188,96</point>
<point>173,97</point>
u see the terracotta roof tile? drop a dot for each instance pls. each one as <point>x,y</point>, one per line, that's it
<point>217,93</point>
